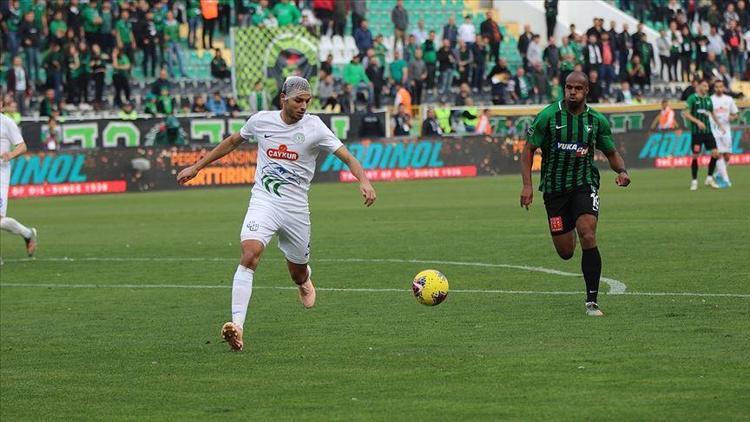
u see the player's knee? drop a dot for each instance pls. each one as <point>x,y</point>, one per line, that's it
<point>588,240</point>
<point>250,259</point>
<point>566,255</point>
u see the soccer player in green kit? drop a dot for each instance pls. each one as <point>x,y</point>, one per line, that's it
<point>567,132</point>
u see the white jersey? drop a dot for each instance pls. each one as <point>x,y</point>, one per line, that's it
<point>724,106</point>
<point>286,157</point>
<point>9,135</point>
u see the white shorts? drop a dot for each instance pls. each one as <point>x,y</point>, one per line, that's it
<point>4,184</point>
<point>723,141</point>
<point>262,222</point>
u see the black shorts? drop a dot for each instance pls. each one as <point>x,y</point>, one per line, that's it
<point>564,208</point>
<point>702,139</point>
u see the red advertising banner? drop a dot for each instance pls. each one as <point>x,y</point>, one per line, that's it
<point>412,174</point>
<point>86,188</point>
<point>682,162</point>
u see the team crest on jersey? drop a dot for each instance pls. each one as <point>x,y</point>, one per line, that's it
<point>298,138</point>
<point>282,153</point>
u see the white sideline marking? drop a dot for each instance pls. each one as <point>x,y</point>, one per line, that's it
<point>615,286</point>
<point>334,289</point>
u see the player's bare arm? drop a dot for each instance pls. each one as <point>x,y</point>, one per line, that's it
<point>226,146</point>
<point>527,158</point>
<point>695,120</point>
<point>18,150</point>
<point>365,187</point>
<point>721,127</point>
<point>617,164</point>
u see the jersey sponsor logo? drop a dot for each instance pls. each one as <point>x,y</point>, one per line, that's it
<point>556,224</point>
<point>560,127</point>
<point>580,150</point>
<point>282,153</point>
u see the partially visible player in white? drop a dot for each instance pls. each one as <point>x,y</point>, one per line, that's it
<point>288,144</point>
<point>725,111</point>
<point>11,146</point>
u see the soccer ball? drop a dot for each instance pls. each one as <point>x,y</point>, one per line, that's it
<point>430,287</point>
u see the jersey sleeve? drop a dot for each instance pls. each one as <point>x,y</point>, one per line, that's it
<point>327,140</point>
<point>12,132</point>
<point>605,142</point>
<point>690,103</point>
<point>539,129</point>
<point>247,133</point>
<point>733,108</point>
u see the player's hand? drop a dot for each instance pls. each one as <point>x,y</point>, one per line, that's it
<point>622,179</point>
<point>186,174</point>
<point>701,125</point>
<point>368,192</point>
<point>527,196</point>
<point>5,157</point>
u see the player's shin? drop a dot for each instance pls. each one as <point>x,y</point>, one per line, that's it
<point>591,265</point>
<point>242,289</point>
<point>12,225</point>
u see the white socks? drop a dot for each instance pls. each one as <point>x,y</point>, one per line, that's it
<point>242,289</point>
<point>721,168</point>
<point>12,225</point>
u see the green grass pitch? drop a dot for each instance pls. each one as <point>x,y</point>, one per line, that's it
<point>119,350</point>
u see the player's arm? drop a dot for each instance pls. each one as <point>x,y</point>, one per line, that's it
<point>225,147</point>
<point>365,187</point>
<point>721,127</point>
<point>606,144</point>
<point>534,139</point>
<point>14,134</point>
<point>689,116</point>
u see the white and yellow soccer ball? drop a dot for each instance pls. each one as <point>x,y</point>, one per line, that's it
<point>430,287</point>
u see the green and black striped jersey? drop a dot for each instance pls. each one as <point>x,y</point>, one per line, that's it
<point>700,107</point>
<point>567,143</point>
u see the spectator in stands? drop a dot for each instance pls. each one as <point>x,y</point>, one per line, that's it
<point>359,11</point>
<point>397,69</point>
<point>193,18</point>
<point>58,28</point>
<point>50,104</point>
<point>410,47</point>
<point>363,38</point>
<point>199,104</point>
<point>53,65</point>
<point>174,50</point>
<point>450,31</point>
<point>446,62</point>
<point>429,49</point>
<point>150,106</point>
<point>326,90</point>
<point>624,95</point>
<point>262,15</point>
<point>355,76</point>
<point>666,120</point>
<point>481,51</point>
<point>490,30</point>
<point>623,44</point>
<point>403,98</point>
<point>420,34</point>
<point>733,42</point>
<point>92,21</point>
<point>596,29</point>
<point>98,71</point>
<point>19,84</point>
<point>258,99</point>
<point>470,116</point>
<point>232,107</point>
<point>523,88</point>
<point>572,35</point>
<point>147,41</point>
<point>210,13</point>
<point>715,43</point>
<point>685,54</point>
<point>593,55</point>
<point>555,90</point>
<point>663,44</point>
<point>339,17</point>
<point>484,127</point>
<point>29,39</point>
<point>121,67</point>
<point>701,48</point>
<point>499,75</point>
<point>710,67</point>
<point>327,65</point>
<point>550,14</point>
<point>161,82</point>
<point>417,75</point>
<point>465,62</point>
<point>636,72</point>
<point>551,57</point>
<point>607,68</point>
<point>219,68</point>
<point>400,21</point>
<point>127,112</point>
<point>430,125</point>
<point>332,105</point>
<point>464,92</point>
<point>216,104</point>
<point>646,52</point>
<point>372,125</point>
<point>51,135</point>
<point>443,115</point>
<point>124,38</point>
<point>402,122</point>
<point>596,93</point>
<point>346,99</point>
<point>567,57</point>
<point>106,37</point>
<point>534,52</point>
<point>467,33</point>
<point>523,43</point>
<point>73,75</point>
<point>540,81</point>
<point>375,72</point>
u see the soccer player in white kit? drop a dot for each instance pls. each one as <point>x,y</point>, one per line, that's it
<point>10,135</point>
<point>725,111</point>
<point>288,144</point>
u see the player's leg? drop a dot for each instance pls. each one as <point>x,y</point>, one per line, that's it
<point>561,224</point>
<point>294,242</point>
<point>565,244</point>
<point>710,143</point>
<point>10,224</point>
<point>725,172</point>
<point>586,208</point>
<point>696,145</point>
<point>724,146</point>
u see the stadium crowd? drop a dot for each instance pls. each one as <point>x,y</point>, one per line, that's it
<point>58,54</point>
